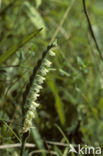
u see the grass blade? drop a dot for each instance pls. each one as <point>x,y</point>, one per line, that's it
<point>14,48</point>
<point>66,139</point>
<point>58,101</point>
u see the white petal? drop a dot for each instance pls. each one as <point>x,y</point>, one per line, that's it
<point>34,96</point>
<point>51,53</point>
<point>30,115</point>
<point>40,79</point>
<point>47,63</point>
<point>44,71</point>
<point>35,104</point>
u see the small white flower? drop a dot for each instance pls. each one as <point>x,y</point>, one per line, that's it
<point>43,71</point>
<point>32,108</point>
<point>36,90</point>
<point>47,63</point>
<point>34,96</point>
<point>35,104</point>
<point>30,115</point>
<point>40,79</point>
<point>51,53</point>
<point>27,125</point>
<point>38,86</point>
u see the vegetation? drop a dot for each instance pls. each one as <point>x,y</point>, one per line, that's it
<point>70,109</point>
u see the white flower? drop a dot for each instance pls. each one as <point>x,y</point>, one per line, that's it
<point>37,88</point>
<point>43,71</point>
<point>47,63</point>
<point>27,125</point>
<point>51,53</point>
<point>35,104</point>
<point>30,115</point>
<point>40,79</point>
<point>34,96</point>
<point>32,108</point>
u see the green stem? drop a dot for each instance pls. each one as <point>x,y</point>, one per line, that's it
<point>24,138</point>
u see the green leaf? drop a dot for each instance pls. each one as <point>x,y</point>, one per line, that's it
<point>65,137</point>
<point>58,101</point>
<point>38,3</point>
<point>14,48</point>
<point>12,131</point>
<point>35,17</point>
<point>64,73</point>
<point>38,140</point>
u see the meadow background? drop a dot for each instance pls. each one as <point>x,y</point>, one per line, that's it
<point>71,101</point>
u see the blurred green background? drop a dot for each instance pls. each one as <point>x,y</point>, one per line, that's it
<point>72,95</point>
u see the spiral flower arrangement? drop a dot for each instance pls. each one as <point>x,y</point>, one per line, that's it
<point>34,86</point>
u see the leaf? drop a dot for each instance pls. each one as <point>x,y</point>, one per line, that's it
<point>38,140</point>
<point>38,3</point>
<point>12,131</point>
<point>64,73</point>
<point>66,151</point>
<point>35,17</point>
<point>58,101</point>
<point>14,48</point>
<point>65,137</point>
<point>79,61</point>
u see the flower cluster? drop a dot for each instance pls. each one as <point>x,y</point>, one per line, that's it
<point>34,92</point>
